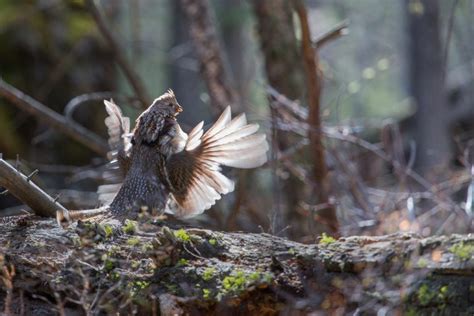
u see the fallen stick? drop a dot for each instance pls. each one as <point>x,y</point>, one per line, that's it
<point>26,191</point>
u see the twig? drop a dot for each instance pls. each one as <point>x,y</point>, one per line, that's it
<point>124,64</point>
<point>78,100</point>
<point>72,105</point>
<point>26,191</point>
<point>337,31</point>
<point>53,119</point>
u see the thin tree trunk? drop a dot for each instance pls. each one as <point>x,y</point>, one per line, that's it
<point>431,128</point>
<point>314,83</point>
<point>284,70</point>
<point>204,35</point>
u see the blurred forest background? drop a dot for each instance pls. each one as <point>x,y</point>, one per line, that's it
<point>368,104</point>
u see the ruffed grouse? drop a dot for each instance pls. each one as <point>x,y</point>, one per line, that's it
<point>161,168</point>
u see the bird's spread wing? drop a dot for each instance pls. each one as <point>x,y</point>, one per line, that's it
<point>194,173</point>
<point>118,127</point>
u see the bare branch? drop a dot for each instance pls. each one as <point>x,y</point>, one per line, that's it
<point>72,105</point>
<point>53,119</point>
<point>26,191</point>
<point>337,31</point>
<point>131,75</point>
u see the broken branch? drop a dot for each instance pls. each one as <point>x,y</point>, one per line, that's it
<point>337,31</point>
<point>26,191</point>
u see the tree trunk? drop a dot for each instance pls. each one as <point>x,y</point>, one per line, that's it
<point>314,84</point>
<point>148,269</point>
<point>431,129</point>
<point>285,74</point>
<point>204,35</point>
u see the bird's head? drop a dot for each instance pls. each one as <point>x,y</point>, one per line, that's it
<point>166,105</point>
<point>157,119</point>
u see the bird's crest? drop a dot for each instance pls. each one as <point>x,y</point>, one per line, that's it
<point>168,95</point>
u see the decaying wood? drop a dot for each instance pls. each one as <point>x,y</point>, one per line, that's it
<point>149,268</point>
<point>23,188</point>
<point>53,119</point>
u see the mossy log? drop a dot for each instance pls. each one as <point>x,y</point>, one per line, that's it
<point>158,270</point>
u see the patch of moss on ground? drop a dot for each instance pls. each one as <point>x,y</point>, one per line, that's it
<point>130,227</point>
<point>133,241</point>
<point>462,251</point>
<point>326,239</point>
<point>209,273</point>
<point>427,296</point>
<point>182,235</point>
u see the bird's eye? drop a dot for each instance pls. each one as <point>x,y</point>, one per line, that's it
<point>170,104</point>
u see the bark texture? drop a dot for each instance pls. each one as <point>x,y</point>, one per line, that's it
<point>285,73</point>
<point>212,62</point>
<point>151,269</point>
<point>314,84</point>
<point>431,129</point>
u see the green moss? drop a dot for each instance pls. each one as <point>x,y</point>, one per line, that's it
<point>141,284</point>
<point>130,227</point>
<point>209,273</point>
<point>133,241</point>
<point>109,264</point>
<point>422,263</point>
<point>292,251</point>
<point>213,241</point>
<point>136,289</point>
<point>147,246</point>
<point>326,240</point>
<point>462,251</point>
<point>182,262</point>
<point>182,235</point>
<point>108,230</point>
<point>239,281</point>
<point>234,283</point>
<point>425,295</point>
<point>206,294</point>
<point>443,292</point>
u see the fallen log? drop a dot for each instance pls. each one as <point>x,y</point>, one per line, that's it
<point>155,268</point>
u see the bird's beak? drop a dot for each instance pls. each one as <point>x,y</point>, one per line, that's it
<point>180,109</point>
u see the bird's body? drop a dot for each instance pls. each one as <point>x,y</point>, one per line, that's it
<point>164,168</point>
<point>142,185</point>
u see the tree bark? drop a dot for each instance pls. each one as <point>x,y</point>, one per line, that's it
<point>285,74</point>
<point>431,126</point>
<point>25,190</point>
<point>149,268</point>
<point>314,87</point>
<point>212,61</point>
